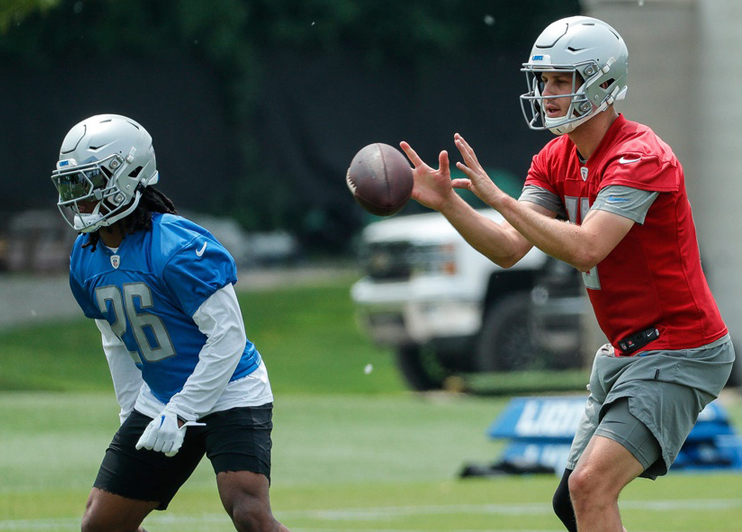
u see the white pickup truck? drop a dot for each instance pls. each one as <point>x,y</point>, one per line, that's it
<point>446,310</point>
<point>442,306</point>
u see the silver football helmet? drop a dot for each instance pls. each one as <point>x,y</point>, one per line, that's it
<point>596,56</point>
<point>104,163</point>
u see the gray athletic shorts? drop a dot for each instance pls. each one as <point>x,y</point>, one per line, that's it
<point>664,390</point>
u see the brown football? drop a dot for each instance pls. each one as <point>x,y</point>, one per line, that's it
<point>380,179</point>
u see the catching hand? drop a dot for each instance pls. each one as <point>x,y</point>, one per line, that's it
<point>432,187</point>
<point>164,434</point>
<point>478,181</point>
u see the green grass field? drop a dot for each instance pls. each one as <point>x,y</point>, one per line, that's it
<point>353,451</point>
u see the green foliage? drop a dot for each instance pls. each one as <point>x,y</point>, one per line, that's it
<point>236,38</point>
<point>232,34</point>
<point>413,31</point>
<point>14,11</point>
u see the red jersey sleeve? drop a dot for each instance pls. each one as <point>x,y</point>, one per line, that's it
<point>643,163</point>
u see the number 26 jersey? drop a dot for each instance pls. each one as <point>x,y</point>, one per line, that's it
<point>148,290</point>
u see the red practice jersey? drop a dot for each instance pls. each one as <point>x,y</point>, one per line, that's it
<point>653,278</point>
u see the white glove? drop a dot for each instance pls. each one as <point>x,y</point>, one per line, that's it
<point>163,434</point>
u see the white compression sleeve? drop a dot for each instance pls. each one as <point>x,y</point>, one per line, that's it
<point>127,379</point>
<point>220,319</point>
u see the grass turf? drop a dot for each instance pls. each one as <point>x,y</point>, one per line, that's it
<point>353,450</point>
<point>341,462</point>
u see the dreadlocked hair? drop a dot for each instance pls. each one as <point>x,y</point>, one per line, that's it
<point>152,200</point>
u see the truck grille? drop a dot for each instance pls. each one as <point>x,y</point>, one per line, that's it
<point>387,261</point>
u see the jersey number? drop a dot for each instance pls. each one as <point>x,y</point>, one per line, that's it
<point>591,279</point>
<point>124,310</point>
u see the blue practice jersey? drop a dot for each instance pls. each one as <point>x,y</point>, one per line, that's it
<point>148,291</point>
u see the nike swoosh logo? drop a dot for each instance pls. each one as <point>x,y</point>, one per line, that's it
<point>624,160</point>
<point>200,252</point>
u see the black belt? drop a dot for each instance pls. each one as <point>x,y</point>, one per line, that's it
<point>636,341</point>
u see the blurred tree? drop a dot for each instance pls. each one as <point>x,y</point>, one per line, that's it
<point>14,11</point>
<point>235,38</point>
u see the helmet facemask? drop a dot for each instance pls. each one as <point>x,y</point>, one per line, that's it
<point>118,161</point>
<point>88,196</point>
<point>587,98</point>
<point>597,59</point>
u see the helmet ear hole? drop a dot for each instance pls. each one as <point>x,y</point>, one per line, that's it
<point>135,172</point>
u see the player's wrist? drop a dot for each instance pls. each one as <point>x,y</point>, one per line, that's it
<point>179,414</point>
<point>502,202</point>
<point>451,204</point>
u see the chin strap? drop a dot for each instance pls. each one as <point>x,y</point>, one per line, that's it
<point>98,220</point>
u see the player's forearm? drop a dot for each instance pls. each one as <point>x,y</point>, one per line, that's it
<point>490,238</point>
<point>219,318</point>
<point>566,242</point>
<point>206,384</point>
<point>126,377</point>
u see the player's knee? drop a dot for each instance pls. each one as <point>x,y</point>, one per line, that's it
<point>251,515</point>
<point>587,488</point>
<point>578,485</point>
<point>87,524</point>
<point>96,519</point>
<point>91,523</point>
<point>562,504</point>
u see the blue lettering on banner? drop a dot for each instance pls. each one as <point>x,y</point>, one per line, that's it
<point>540,431</point>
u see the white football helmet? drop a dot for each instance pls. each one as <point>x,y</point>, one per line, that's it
<point>104,163</point>
<point>585,47</point>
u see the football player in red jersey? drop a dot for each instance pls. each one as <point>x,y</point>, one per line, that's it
<point>631,234</point>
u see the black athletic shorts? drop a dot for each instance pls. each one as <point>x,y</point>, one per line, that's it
<point>234,440</point>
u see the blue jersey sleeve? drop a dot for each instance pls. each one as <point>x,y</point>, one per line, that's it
<point>88,307</point>
<point>77,272</point>
<point>197,270</point>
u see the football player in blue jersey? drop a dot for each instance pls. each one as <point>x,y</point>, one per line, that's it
<point>160,289</point>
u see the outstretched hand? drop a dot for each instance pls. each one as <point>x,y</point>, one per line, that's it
<point>432,188</point>
<point>478,181</point>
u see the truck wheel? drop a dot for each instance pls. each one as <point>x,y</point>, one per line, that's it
<point>506,340</point>
<point>420,368</point>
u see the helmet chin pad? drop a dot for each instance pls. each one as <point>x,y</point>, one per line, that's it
<point>558,126</point>
<point>103,214</point>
